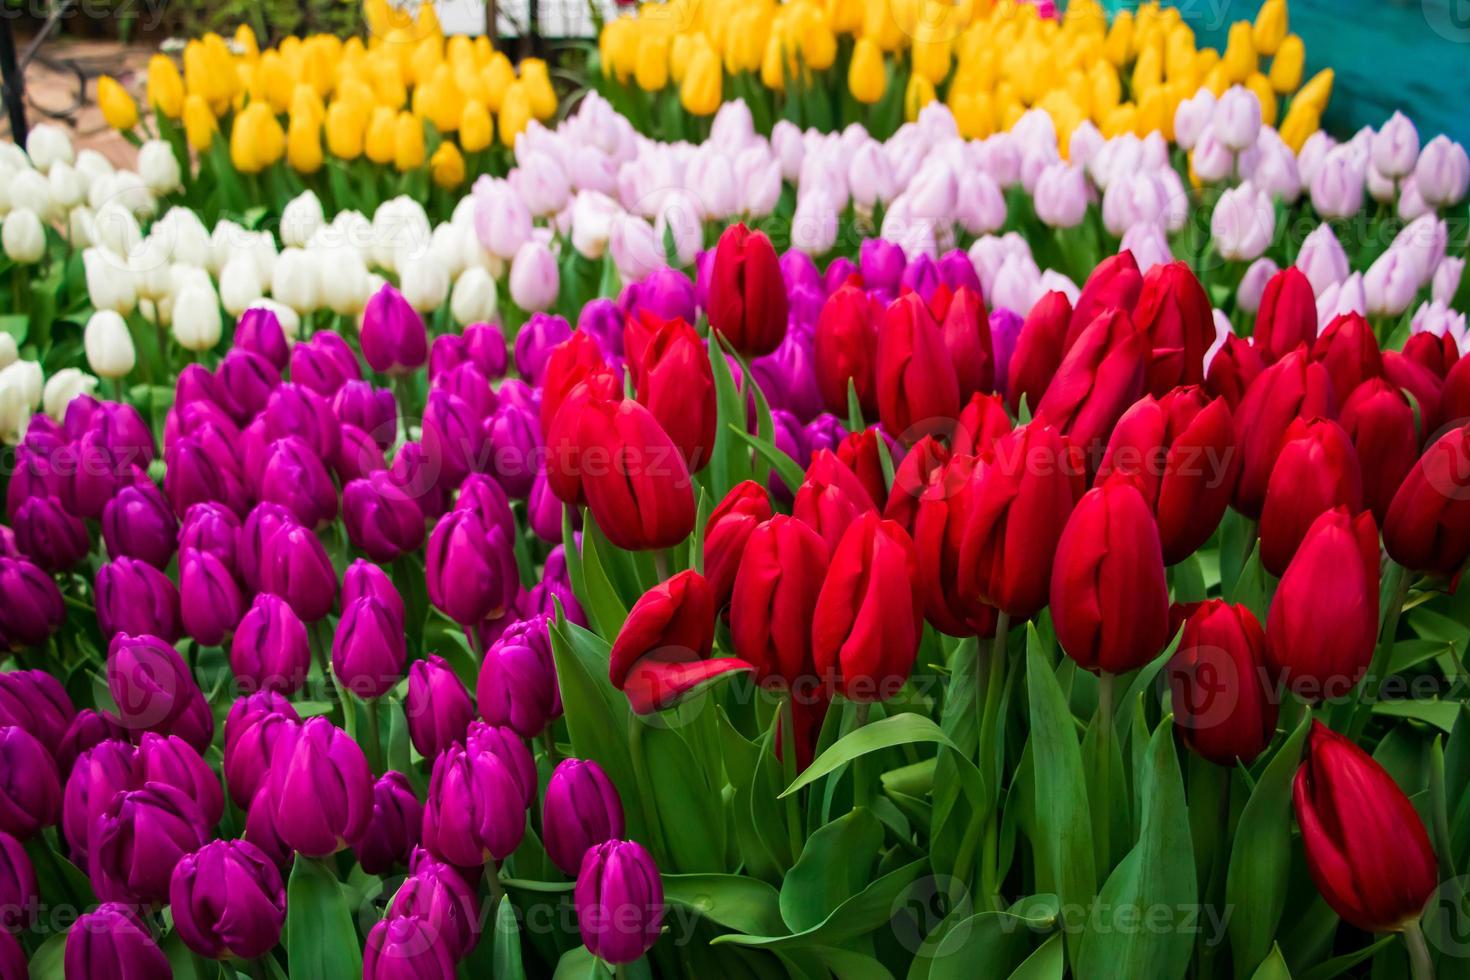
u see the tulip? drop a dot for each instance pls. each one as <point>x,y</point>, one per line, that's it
<point>209,600</point>
<point>393,337</point>
<point>394,828</point>
<point>1020,505</point>
<point>1293,387</point>
<point>1287,316</point>
<point>380,518</point>
<point>1224,694</point>
<point>1175,313</point>
<point>19,893</point>
<point>137,839</point>
<point>99,774</point>
<point>675,382</point>
<point>437,707</point>
<point>859,452</point>
<point>916,383</point>
<point>845,349</point>
<point>368,648</point>
<point>295,411</point>
<point>438,893</point>
<point>1349,351</point>
<point>581,810</point>
<point>1100,376</point>
<point>37,702</point>
<point>774,596</point>
<point>472,573</point>
<point>155,691</point>
<point>636,482</point>
<point>747,301</point>
<point>1442,172</point>
<point>252,729</point>
<point>202,467</point>
<point>1366,847</point>
<point>416,474</point>
<point>1380,422</point>
<point>536,342</point>
<point>517,685</point>
<point>620,900</point>
<point>111,941</point>
<point>48,535</point>
<point>108,344</point>
<point>321,790</point>
<point>87,729</point>
<point>1316,470</point>
<point>1114,284</point>
<point>246,542</point>
<point>295,566</point>
<point>228,901</point>
<point>663,650</point>
<point>1323,621</point>
<point>1038,351</point>
<point>258,330</point>
<point>831,497</point>
<point>534,279</point>
<point>965,327</point>
<point>135,597</point>
<point>1243,223</point>
<point>169,759</point>
<point>475,809</point>
<point>943,509</point>
<point>913,475</point>
<point>324,363</point>
<point>33,609</point>
<point>1426,528</point>
<point>400,947</point>
<point>30,792</point>
<point>728,530</point>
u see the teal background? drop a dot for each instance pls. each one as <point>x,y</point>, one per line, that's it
<point>1410,55</point>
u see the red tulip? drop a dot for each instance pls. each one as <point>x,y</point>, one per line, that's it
<point>663,650</point>
<point>1235,365</point>
<point>637,486</point>
<point>1287,317</point>
<point>1180,452</point>
<point>1323,621</point>
<point>1366,846</point>
<point>1454,405</point>
<point>1021,502</point>
<point>831,497</point>
<point>912,478</point>
<point>1428,524</point>
<point>1380,422</point>
<point>1101,375</point>
<point>1113,285</point>
<point>845,348</point>
<point>917,388</point>
<point>1109,600</point>
<point>727,532</point>
<point>964,325</point>
<point>564,467</point>
<point>675,382</point>
<point>1293,387</point>
<point>859,452</point>
<point>1349,351</point>
<point>982,421</point>
<point>1175,313</point>
<point>747,296</point>
<point>1316,471</point>
<point>1422,383</point>
<point>1038,351</point>
<point>570,362</point>
<point>867,622</point>
<point>938,530</point>
<point>781,572</point>
<point>1224,694</point>
<point>1438,354</point>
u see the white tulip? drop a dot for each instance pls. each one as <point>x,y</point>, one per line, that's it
<point>9,353</point>
<point>261,247</point>
<point>226,237</point>
<point>128,189</point>
<point>345,290</point>
<point>159,168</point>
<point>47,144</point>
<point>81,227</point>
<point>93,166</point>
<point>116,230</point>
<point>62,387</point>
<point>446,247</point>
<point>23,237</point>
<point>7,174</point>
<point>31,189</point>
<point>424,283</point>
<point>239,285</point>
<point>592,220</point>
<point>295,280</point>
<point>24,378</point>
<point>13,158</point>
<point>109,345</point>
<point>68,186</point>
<point>1243,223</point>
<point>109,281</point>
<point>196,318</point>
<point>151,264</point>
<point>475,298</point>
<point>301,218</point>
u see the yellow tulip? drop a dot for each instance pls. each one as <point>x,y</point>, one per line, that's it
<point>441,101</point>
<point>428,20</point>
<point>747,40</point>
<point>1270,27</point>
<point>1301,122</point>
<point>468,80</point>
<point>932,60</point>
<point>165,86</point>
<point>680,52</point>
<point>459,48</point>
<point>345,123</point>
<point>446,166</point>
<point>918,93</point>
<point>1217,80</point>
<point>219,66</point>
<point>1119,44</point>
<point>319,58</point>
<point>973,114</point>
<point>476,130</point>
<point>867,76</point>
<point>244,153</point>
<point>846,16</point>
<point>304,143</point>
<point>117,106</point>
<point>1261,85</point>
<point>652,71</point>
<point>773,68</point>
<point>499,75</point>
<point>427,55</point>
<point>700,92</point>
<point>1240,53</point>
<point>274,81</point>
<point>879,25</point>
<point>1179,53</point>
<point>381,133</point>
<point>1317,91</point>
<point>1120,120</point>
<point>515,113</point>
<point>618,47</point>
<point>536,80</point>
<point>1286,65</point>
<point>408,142</point>
<point>1154,113</point>
<point>200,124</point>
<point>1107,90</point>
<point>246,43</point>
<point>1204,61</point>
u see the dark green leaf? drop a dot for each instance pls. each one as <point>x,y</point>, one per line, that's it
<point>736,902</point>
<point>900,729</point>
<point>321,942</point>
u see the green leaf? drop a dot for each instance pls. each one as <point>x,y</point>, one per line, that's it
<point>580,964</point>
<point>1064,858</point>
<point>784,466</point>
<point>691,811</point>
<point>900,729</point>
<point>48,962</point>
<point>1272,967</point>
<point>834,866</point>
<point>1338,965</point>
<point>321,942</point>
<point>1046,963</point>
<point>1439,714</point>
<point>1156,877</point>
<point>862,914</point>
<point>598,597</point>
<point>1256,884</point>
<point>736,902</point>
<point>729,460</point>
<point>507,956</point>
<point>986,944</point>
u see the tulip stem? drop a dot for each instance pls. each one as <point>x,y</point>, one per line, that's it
<point>492,883</point>
<point>788,770</point>
<point>992,666</point>
<point>1421,965</point>
<point>1367,693</point>
<point>645,788</point>
<point>1105,768</point>
<point>862,792</point>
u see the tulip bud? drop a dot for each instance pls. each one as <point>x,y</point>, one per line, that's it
<point>254,725</point>
<point>472,573</point>
<point>438,706</point>
<point>134,597</point>
<point>37,702</point>
<point>781,570</point>
<point>675,382</point>
<point>108,345</point>
<point>1426,527</point>
<point>1224,694</point>
<point>99,774</point>
<point>1287,316</point>
<point>1365,844</point>
<point>846,349</point>
<point>1101,375</point>
<point>393,830</point>
<point>517,685</point>
<point>1292,387</point>
<point>582,810</point>
<point>30,792</point>
<point>138,838</point>
<point>636,483</point>
<point>321,790</point>
<point>209,600</point>
<point>475,809</point>
<point>295,566</point>
<point>258,330</point>
<point>19,893</point>
<point>368,648</point>
<point>393,337</point>
<point>1175,314</point>
<point>169,759</point>
<point>917,388</point>
<point>324,363</point>
<point>228,901</point>
<point>1316,470</point>
<point>33,609</point>
<point>1323,620</point>
<point>747,301</point>
<point>1038,351</point>
<point>534,277</point>
<point>48,535</point>
<point>1380,422</point>
<point>380,519</point>
<point>137,523</point>
<point>110,941</point>
<point>155,691</point>
<point>727,531</point>
<point>202,467</point>
<point>620,901</point>
<point>87,729</point>
<point>400,947</point>
<point>858,451</point>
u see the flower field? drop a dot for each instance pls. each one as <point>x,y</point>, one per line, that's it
<point>808,490</point>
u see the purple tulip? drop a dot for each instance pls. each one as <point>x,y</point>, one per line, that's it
<point>254,725</point>
<point>195,383</point>
<point>258,330</point>
<point>1005,328</point>
<point>394,340</point>
<point>380,518</point>
<point>515,445</point>
<point>839,271</point>
<point>246,381</point>
<point>203,467</point>
<point>956,270</point>
<point>296,410</point>
<point>474,811</point>
<point>363,579</point>
<point>228,901</point>
<point>825,431</point>
<point>358,456</point>
<point>260,525</point>
<point>454,436</point>
<point>88,729</point>
<point>666,293</point>
<point>155,692</point>
<point>603,319</point>
<point>295,567</point>
<point>487,498</point>
<point>472,573</point>
<point>48,535</point>
<point>111,943</point>
<point>34,474</point>
<point>369,648</point>
<point>534,344</point>
<point>798,270</point>
<point>261,830</point>
<point>438,706</point>
<point>324,363</point>
<point>484,345</point>
<point>438,893</point>
<point>97,474</point>
<point>139,523</point>
<point>37,702</point>
<point>320,788</point>
<point>169,759</point>
<point>191,418</point>
<point>620,901</point>
<point>19,893</point>
<point>134,597</point>
<point>394,829</point>
<point>373,410</point>
<point>582,810</point>
<point>13,965</point>
<point>210,603</point>
<point>517,685</point>
<point>123,430</point>
<point>470,385</point>
<point>788,377</point>
<point>511,749</point>
<point>32,609</point>
<point>30,792</point>
<point>544,510</point>
<point>137,838</point>
<point>420,478</point>
<point>882,264</point>
<point>100,773</point>
<point>406,948</point>
<point>213,528</point>
<point>922,276</point>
